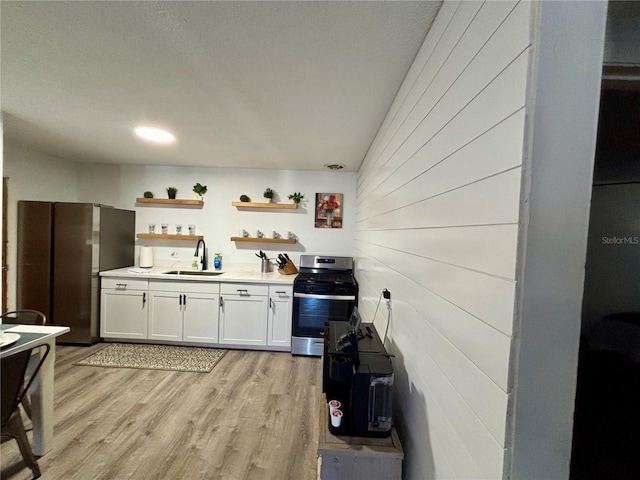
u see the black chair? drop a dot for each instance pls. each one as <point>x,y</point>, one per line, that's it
<point>14,386</point>
<point>25,317</point>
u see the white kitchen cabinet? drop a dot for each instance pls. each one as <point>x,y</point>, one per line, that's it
<point>183,311</point>
<point>200,318</point>
<point>279,320</point>
<point>123,308</point>
<point>167,310</point>
<point>243,314</point>
<point>165,316</point>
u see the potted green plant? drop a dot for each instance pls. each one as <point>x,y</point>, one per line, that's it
<point>245,198</point>
<point>296,197</point>
<point>171,191</point>
<point>268,194</point>
<point>200,190</point>
<point>147,194</point>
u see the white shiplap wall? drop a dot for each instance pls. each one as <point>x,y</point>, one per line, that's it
<point>437,224</point>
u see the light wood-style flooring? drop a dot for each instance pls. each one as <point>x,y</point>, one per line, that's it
<point>254,416</point>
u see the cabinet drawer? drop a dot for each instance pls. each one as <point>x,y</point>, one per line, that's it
<point>184,286</point>
<point>281,291</point>
<point>125,283</point>
<point>249,289</point>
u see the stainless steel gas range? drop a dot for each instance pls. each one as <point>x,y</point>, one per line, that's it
<point>324,290</point>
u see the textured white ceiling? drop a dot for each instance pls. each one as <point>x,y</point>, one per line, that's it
<point>284,85</point>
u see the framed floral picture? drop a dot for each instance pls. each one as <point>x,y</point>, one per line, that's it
<point>329,210</point>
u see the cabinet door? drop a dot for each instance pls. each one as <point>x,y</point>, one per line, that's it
<point>165,316</point>
<point>280,311</point>
<point>123,314</point>
<point>200,318</point>
<point>243,320</point>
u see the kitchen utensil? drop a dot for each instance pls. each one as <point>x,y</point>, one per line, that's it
<point>265,266</point>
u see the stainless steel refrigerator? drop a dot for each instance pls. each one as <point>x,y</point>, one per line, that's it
<point>62,247</point>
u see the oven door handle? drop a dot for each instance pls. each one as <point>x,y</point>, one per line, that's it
<point>325,297</point>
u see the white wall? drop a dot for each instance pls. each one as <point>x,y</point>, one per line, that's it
<point>561,138</point>
<point>36,176</point>
<point>218,220</point>
<point>437,224</point>
<point>32,176</point>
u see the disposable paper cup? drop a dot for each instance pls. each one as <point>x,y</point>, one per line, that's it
<point>336,418</point>
<point>192,229</point>
<point>256,234</point>
<point>178,229</point>
<point>241,232</point>
<point>334,405</point>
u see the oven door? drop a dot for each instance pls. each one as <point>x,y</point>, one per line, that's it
<point>311,311</point>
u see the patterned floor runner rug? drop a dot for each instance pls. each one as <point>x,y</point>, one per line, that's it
<point>155,357</point>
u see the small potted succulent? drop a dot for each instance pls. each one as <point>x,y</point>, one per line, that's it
<point>200,190</point>
<point>296,197</point>
<point>147,194</point>
<point>268,194</point>
<point>171,191</point>
<point>245,198</point>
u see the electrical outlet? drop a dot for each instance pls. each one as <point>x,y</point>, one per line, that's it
<point>174,253</point>
<point>386,294</point>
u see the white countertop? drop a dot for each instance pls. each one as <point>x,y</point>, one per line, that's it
<point>238,273</point>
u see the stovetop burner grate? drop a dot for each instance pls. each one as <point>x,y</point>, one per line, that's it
<point>334,278</point>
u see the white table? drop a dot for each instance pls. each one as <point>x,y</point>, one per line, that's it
<point>41,389</point>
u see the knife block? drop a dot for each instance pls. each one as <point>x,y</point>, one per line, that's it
<point>288,269</point>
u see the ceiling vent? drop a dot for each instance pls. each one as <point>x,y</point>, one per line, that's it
<point>334,166</point>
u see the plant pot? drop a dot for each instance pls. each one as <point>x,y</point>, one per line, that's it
<point>172,196</point>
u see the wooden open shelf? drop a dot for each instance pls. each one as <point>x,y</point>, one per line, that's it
<point>292,206</point>
<point>263,240</point>
<point>171,201</point>
<point>160,236</point>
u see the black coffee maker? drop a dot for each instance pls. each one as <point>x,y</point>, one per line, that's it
<point>357,372</point>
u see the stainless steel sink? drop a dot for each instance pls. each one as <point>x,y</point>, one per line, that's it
<point>187,272</point>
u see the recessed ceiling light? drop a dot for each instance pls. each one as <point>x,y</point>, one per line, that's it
<point>334,166</point>
<point>154,134</point>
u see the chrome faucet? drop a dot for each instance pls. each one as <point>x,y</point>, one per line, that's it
<point>203,258</point>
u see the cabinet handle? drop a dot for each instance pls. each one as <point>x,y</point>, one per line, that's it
<point>180,299</point>
<point>281,292</point>
<point>221,302</point>
<point>184,300</point>
<point>240,290</point>
<point>144,298</point>
<point>121,285</point>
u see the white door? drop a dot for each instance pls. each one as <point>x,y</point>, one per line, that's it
<point>243,320</point>
<point>165,316</point>
<point>200,317</point>
<point>280,312</point>
<point>123,314</point>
